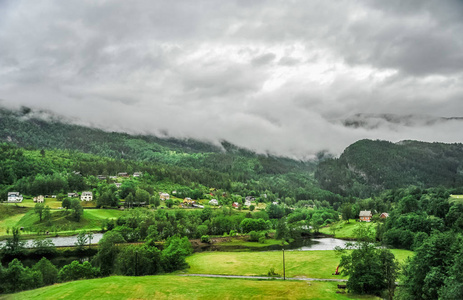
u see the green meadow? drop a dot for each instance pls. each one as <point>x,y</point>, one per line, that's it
<point>346,230</point>
<point>177,287</point>
<point>310,264</point>
<point>92,219</point>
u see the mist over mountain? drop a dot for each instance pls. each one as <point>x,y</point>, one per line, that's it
<point>270,76</point>
<point>396,121</point>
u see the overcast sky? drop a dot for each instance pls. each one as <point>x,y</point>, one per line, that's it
<point>273,76</point>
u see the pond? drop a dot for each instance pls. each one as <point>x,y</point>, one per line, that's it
<point>318,244</point>
<point>299,245</point>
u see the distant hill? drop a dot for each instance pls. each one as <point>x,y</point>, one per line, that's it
<point>368,166</point>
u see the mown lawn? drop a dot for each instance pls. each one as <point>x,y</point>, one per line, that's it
<point>347,230</point>
<point>176,287</point>
<point>310,264</point>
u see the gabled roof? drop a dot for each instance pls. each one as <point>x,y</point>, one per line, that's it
<point>365,213</point>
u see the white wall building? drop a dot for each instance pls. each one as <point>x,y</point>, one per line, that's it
<point>15,197</point>
<point>86,196</point>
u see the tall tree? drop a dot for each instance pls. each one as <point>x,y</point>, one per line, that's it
<point>39,210</point>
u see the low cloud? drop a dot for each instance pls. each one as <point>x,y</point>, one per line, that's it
<point>275,77</point>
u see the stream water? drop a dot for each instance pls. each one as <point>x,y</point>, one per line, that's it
<point>62,241</point>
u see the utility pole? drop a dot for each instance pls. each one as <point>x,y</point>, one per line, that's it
<point>136,263</point>
<point>284,270</point>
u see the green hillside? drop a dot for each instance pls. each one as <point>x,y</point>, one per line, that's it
<point>49,151</point>
<point>369,166</point>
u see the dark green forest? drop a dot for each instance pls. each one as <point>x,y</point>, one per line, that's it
<point>368,167</point>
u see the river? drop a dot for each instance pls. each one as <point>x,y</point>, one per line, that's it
<point>62,241</point>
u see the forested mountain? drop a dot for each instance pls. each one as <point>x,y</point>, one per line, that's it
<point>365,168</point>
<point>370,166</point>
<point>186,162</point>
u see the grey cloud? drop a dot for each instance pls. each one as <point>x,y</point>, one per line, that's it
<point>276,77</point>
<point>263,59</point>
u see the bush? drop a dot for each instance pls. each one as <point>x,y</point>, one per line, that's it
<point>205,239</point>
<point>254,236</point>
<point>75,271</point>
<point>136,261</point>
<point>175,251</point>
<point>272,273</point>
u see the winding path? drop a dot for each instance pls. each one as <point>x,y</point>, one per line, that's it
<point>263,277</point>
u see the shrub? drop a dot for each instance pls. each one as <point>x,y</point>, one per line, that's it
<point>205,239</point>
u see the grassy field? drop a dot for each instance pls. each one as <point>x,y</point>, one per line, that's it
<point>456,198</point>
<point>176,287</point>
<point>310,264</point>
<point>346,230</point>
<point>91,220</point>
<point>10,222</point>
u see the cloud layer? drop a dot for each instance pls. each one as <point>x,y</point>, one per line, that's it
<point>272,76</point>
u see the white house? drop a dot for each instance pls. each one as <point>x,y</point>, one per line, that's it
<point>15,197</point>
<point>86,196</point>
<point>214,202</point>
<point>39,199</point>
<point>137,174</point>
<point>164,196</point>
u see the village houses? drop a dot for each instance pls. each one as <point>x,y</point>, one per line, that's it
<point>365,216</point>
<point>15,197</point>
<point>86,196</point>
<point>39,199</point>
<point>164,196</point>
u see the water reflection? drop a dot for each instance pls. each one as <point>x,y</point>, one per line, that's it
<point>320,244</point>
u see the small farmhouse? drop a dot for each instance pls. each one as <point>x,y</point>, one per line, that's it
<point>73,195</point>
<point>123,174</point>
<point>164,196</point>
<point>137,174</point>
<point>365,216</point>
<point>118,184</point>
<point>384,215</point>
<point>101,177</point>
<point>39,199</point>
<point>15,197</point>
<point>188,201</point>
<point>86,196</point>
<point>236,204</point>
<point>214,202</point>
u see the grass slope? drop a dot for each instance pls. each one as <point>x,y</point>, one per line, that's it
<point>176,287</point>
<point>347,230</point>
<point>310,264</point>
<point>91,220</point>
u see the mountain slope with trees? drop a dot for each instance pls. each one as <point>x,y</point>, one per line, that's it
<point>367,167</point>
